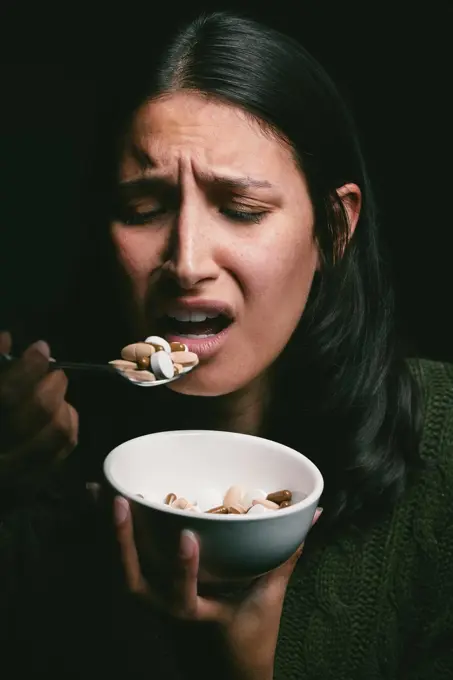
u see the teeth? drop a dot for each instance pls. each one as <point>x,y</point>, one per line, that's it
<point>191,336</point>
<point>193,316</point>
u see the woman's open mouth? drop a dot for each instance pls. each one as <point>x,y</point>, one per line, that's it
<point>203,329</point>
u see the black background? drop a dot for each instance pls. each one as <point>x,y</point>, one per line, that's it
<point>393,62</point>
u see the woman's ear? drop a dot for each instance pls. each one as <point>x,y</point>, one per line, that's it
<point>351,197</point>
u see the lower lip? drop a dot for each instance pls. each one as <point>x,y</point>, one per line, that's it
<point>205,348</point>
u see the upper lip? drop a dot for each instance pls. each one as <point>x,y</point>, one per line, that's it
<point>202,305</point>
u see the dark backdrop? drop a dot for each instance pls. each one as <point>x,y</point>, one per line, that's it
<point>394,63</point>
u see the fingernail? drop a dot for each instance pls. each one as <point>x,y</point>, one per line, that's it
<point>317,515</point>
<point>121,510</point>
<point>187,544</point>
<point>42,347</point>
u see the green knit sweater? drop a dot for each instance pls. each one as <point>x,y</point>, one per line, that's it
<point>380,605</point>
<point>374,605</point>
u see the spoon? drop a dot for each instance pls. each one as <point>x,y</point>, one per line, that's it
<point>103,368</point>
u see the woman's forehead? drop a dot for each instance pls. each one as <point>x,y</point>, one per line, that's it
<point>215,136</point>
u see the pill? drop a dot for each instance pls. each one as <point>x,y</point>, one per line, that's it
<point>185,358</point>
<point>280,496</point>
<point>257,510</point>
<point>169,498</point>
<point>136,351</point>
<point>122,363</point>
<point>178,347</point>
<point>161,342</point>
<point>144,363</point>
<point>179,368</point>
<point>180,504</point>
<point>209,498</point>
<point>219,510</point>
<point>285,504</point>
<point>251,495</point>
<point>267,504</point>
<point>233,495</point>
<point>236,509</point>
<point>141,376</point>
<point>162,365</point>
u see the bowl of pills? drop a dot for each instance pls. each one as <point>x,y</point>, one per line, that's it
<point>250,501</point>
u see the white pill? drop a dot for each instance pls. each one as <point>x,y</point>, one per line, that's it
<point>258,510</point>
<point>156,340</point>
<point>162,365</point>
<point>209,498</point>
<point>251,495</point>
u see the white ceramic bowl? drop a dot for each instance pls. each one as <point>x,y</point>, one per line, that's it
<point>190,461</point>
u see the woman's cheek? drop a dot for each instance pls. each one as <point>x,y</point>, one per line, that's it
<point>132,254</point>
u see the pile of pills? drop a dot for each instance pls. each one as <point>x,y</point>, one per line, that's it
<point>155,359</point>
<point>236,501</point>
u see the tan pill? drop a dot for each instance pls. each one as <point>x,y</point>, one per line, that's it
<point>143,363</point>
<point>122,363</point>
<point>141,376</point>
<point>179,368</point>
<point>236,509</point>
<point>136,351</point>
<point>284,504</point>
<point>266,503</point>
<point>233,496</point>
<point>219,510</point>
<point>169,498</point>
<point>180,504</point>
<point>184,358</point>
<point>279,496</point>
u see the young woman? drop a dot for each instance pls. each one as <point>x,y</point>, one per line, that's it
<point>241,222</point>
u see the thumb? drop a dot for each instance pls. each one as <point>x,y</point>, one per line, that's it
<point>5,342</point>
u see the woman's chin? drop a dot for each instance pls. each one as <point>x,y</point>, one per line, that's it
<point>195,385</point>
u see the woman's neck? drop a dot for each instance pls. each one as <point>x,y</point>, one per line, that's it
<point>242,411</point>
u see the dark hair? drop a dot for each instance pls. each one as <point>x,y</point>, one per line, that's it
<point>355,408</point>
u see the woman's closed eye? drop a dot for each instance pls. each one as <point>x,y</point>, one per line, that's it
<point>146,214</point>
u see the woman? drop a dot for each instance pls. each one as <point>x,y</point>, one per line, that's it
<point>241,222</point>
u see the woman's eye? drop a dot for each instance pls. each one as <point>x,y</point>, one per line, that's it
<point>132,216</point>
<point>244,215</point>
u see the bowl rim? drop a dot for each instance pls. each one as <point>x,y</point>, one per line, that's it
<point>154,505</point>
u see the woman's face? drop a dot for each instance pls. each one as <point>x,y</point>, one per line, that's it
<point>215,231</point>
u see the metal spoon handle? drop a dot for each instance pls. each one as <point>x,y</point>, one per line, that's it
<point>67,365</point>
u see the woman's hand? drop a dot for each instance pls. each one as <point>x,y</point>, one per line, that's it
<point>249,627</point>
<point>37,426</point>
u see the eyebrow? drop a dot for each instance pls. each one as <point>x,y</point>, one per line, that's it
<point>232,182</point>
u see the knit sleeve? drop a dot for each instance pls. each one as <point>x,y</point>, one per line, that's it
<point>432,648</point>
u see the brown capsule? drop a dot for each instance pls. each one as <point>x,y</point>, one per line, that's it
<point>143,363</point>
<point>219,510</point>
<point>236,509</point>
<point>285,504</point>
<point>266,502</point>
<point>279,496</point>
<point>157,348</point>
<point>169,498</point>
<point>177,347</point>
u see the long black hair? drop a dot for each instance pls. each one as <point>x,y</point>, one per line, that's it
<point>343,393</point>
